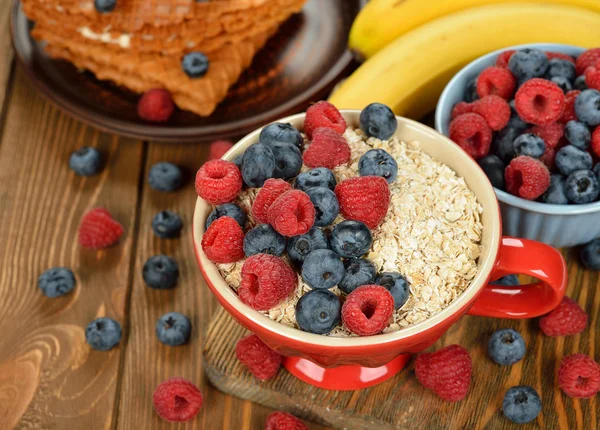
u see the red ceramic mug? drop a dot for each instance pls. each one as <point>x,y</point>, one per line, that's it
<point>357,362</point>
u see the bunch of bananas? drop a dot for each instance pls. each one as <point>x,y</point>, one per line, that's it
<point>412,48</point>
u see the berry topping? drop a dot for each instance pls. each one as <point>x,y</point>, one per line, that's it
<point>539,101</point>
<point>218,181</point>
<point>580,83</point>
<point>298,247</point>
<point>446,372</point>
<point>258,165</point>
<point>177,400</point>
<point>587,107</point>
<point>506,346</point>
<point>282,133</point>
<point>461,108</point>
<point>527,177</point>
<point>595,145</point>
<point>493,167</point>
<point>262,239</point>
<point>504,58</point>
<point>579,376</point>
<point>378,120</point>
<point>105,6</point>
<point>471,90</point>
<point>551,133</point>
<point>284,421</point>
<point>549,158</point>
<point>582,187</point>
<point>367,310</point>
<point>351,239</point>
<point>364,198</point>
<point>173,329</point>
<point>228,209</point>
<point>472,133</point>
<point>292,213</point>
<point>223,241</point>
<point>590,255</point>
<point>588,59</point>
<point>326,205</point>
<point>397,285</point>
<point>56,282</point>
<point>167,224</point>
<point>259,359</point>
<point>494,110</point>
<point>160,272</point>
<point>103,334</point>
<point>529,144</point>
<point>528,63</point>
<point>86,161</point>
<point>195,64</point>
<point>266,281</point>
<point>552,55</point>
<point>218,148</point>
<point>496,81</point>
<point>563,83</point>
<point>359,271</point>
<point>555,194</point>
<point>99,230</point>
<point>327,149</point>
<point>558,67</point>
<point>318,311</point>
<point>319,177</point>
<point>288,159</point>
<point>569,110</point>
<point>155,105</point>
<point>521,404</point>
<point>323,115</point>
<point>166,177</point>
<point>377,162</point>
<point>271,190</point>
<point>570,158</point>
<point>566,320</point>
<point>322,269</point>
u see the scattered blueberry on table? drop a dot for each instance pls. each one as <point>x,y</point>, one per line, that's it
<point>173,329</point>
<point>506,347</point>
<point>56,282</point>
<point>166,177</point>
<point>522,404</point>
<point>167,224</point>
<point>103,334</point>
<point>160,272</point>
<point>86,161</point>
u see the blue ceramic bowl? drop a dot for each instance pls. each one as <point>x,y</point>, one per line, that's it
<point>556,225</point>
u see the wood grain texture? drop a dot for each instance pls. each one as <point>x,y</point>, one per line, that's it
<point>402,403</point>
<point>49,377</point>
<point>6,51</point>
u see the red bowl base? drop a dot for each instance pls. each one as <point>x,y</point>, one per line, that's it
<point>343,378</point>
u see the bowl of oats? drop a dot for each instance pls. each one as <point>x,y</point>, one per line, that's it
<point>348,240</point>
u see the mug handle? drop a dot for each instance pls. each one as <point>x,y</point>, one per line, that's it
<point>526,257</point>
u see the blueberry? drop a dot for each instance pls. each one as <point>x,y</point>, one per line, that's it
<point>195,64</point>
<point>471,90</point>
<point>529,144</point>
<point>228,209</point>
<point>397,285</point>
<point>557,67</point>
<point>173,329</point>
<point>165,177</point>
<point>378,120</point>
<point>578,134</point>
<point>359,271</point>
<point>258,165</point>
<point>86,161</point>
<point>318,311</point>
<point>570,158</point>
<point>521,404</point>
<point>103,334</point>
<point>580,83</point>
<point>507,281</point>
<point>280,132</point>
<point>493,167</point>
<point>326,205</point>
<point>587,107</point>
<point>506,347</point>
<point>555,194</point>
<point>528,63</point>
<point>288,159</point>
<point>263,239</point>
<point>160,272</point>
<point>590,255</point>
<point>377,162</point>
<point>319,177</point>
<point>238,161</point>
<point>502,145</point>
<point>167,224</point>
<point>56,282</point>
<point>582,187</point>
<point>322,269</point>
<point>104,6</point>
<point>351,239</point>
<point>596,170</point>
<point>298,247</point>
<point>563,83</point>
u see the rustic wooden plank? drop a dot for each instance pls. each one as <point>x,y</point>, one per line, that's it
<point>49,377</point>
<point>6,51</point>
<point>403,403</point>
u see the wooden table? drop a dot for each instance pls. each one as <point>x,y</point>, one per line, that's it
<point>50,379</point>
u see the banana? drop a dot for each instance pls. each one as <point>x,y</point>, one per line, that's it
<point>382,21</point>
<point>410,73</point>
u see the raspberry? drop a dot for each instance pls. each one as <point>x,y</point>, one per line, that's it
<point>595,145</point>
<point>539,101</point>
<point>569,110</point>
<point>367,310</point>
<point>588,59</point>
<point>218,181</point>
<point>266,281</point>
<point>494,109</point>
<point>551,133</point>
<point>327,149</point>
<point>472,133</point>
<point>549,159</point>
<point>567,319</point>
<point>155,105</point>
<point>446,372</point>
<point>323,114</point>
<point>592,78</point>
<point>292,213</point>
<point>364,198</point>
<point>99,230</point>
<point>284,421</point>
<point>527,177</point>
<point>260,360</point>
<point>496,81</point>
<point>223,241</point>
<point>579,376</point>
<point>218,148</point>
<point>502,60</point>
<point>560,56</point>
<point>461,108</point>
<point>177,400</point>
<point>272,189</point>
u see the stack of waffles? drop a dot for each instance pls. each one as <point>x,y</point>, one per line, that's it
<point>140,43</point>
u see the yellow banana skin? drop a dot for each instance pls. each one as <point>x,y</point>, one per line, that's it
<point>382,21</point>
<point>410,73</point>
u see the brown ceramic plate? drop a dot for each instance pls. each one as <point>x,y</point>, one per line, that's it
<point>300,64</point>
